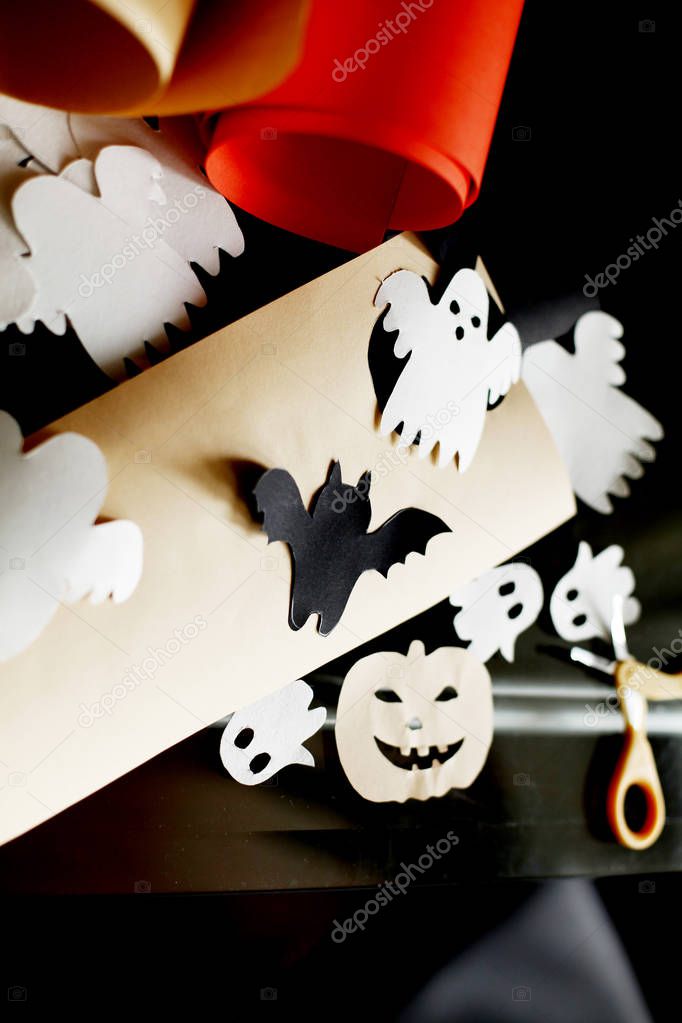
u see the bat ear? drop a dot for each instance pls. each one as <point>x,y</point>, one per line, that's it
<point>334,478</point>
<point>364,483</point>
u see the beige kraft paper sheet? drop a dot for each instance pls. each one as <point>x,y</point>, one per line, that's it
<point>105,688</point>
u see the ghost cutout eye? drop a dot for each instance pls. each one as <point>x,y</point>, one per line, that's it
<point>244,738</point>
<point>388,696</point>
<point>441,396</point>
<point>261,739</point>
<point>582,601</point>
<point>259,763</point>
<point>435,739</point>
<point>496,608</point>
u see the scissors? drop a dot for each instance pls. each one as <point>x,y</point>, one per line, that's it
<point>636,683</point>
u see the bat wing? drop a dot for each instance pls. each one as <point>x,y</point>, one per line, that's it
<point>407,531</point>
<point>279,501</point>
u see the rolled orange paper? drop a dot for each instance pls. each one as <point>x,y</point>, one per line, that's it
<point>147,56</point>
<point>385,123</point>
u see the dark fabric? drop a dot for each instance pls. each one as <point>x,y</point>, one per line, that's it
<point>557,960</point>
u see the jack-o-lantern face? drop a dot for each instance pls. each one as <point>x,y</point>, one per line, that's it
<point>414,726</point>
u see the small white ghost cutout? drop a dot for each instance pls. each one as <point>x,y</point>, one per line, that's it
<point>266,736</point>
<point>581,605</point>
<point>496,608</point>
<point>453,371</point>
<point>50,551</point>
<point>602,434</point>
<point>415,726</point>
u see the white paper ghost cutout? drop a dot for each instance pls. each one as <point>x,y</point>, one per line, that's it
<point>205,222</point>
<point>602,433</point>
<point>581,605</point>
<point>496,608</point>
<point>182,210</point>
<point>56,139</point>
<point>453,370</point>
<point>266,736</point>
<point>116,283</point>
<point>50,551</point>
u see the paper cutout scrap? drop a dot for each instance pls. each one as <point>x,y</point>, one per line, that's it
<point>415,726</point>
<point>116,287</point>
<point>581,605</point>
<point>261,739</point>
<point>178,57</point>
<point>195,220</point>
<point>602,434</point>
<point>453,370</point>
<point>41,131</point>
<point>50,550</point>
<point>496,608</point>
<point>16,284</point>
<point>163,215</point>
<point>370,133</point>
<point>331,546</point>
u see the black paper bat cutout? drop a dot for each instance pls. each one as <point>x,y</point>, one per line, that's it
<point>330,546</point>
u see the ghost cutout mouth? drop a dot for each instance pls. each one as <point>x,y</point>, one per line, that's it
<point>413,761</point>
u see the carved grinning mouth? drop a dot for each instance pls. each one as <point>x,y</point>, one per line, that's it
<point>413,759</point>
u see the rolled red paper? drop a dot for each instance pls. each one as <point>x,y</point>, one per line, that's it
<point>385,123</point>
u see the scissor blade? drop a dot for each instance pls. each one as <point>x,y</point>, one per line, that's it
<point>591,660</point>
<point>620,646</point>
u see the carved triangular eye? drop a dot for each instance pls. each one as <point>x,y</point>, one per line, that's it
<point>388,696</point>
<point>447,694</point>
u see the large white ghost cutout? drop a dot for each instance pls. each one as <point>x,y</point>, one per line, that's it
<point>266,736</point>
<point>117,280</point>
<point>110,231</point>
<point>415,726</point>
<point>453,371</point>
<point>194,219</point>
<point>50,552</point>
<point>581,605</point>
<point>602,434</point>
<point>496,608</point>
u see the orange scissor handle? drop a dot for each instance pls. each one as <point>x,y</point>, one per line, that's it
<point>636,767</point>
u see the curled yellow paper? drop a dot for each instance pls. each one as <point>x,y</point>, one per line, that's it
<point>147,56</point>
